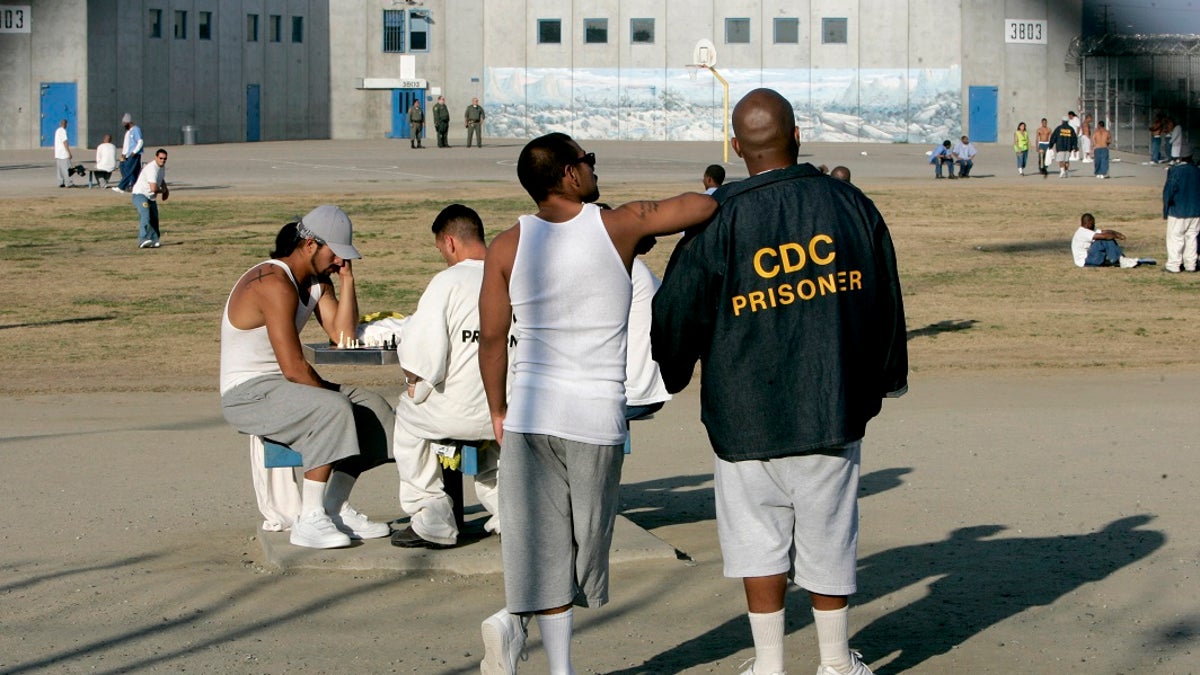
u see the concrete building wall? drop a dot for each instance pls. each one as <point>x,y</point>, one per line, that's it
<point>899,60</point>
<point>179,79</point>
<point>1034,80</point>
<point>55,50</point>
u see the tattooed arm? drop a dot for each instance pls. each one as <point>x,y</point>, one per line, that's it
<point>630,223</point>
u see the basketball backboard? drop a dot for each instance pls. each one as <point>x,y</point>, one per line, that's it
<point>705,53</point>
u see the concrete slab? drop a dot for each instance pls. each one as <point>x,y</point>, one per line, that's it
<point>386,166</point>
<point>475,555</point>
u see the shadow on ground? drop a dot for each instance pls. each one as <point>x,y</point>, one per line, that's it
<point>1056,245</point>
<point>973,582</point>
<point>948,326</point>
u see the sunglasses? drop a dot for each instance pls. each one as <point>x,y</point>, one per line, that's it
<point>589,159</point>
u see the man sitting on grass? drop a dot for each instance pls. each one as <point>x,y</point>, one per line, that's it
<point>1099,248</point>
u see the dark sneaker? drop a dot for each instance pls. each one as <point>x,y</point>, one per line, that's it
<point>408,538</point>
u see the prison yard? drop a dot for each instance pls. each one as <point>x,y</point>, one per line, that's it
<point>985,264</point>
<point>1027,507</point>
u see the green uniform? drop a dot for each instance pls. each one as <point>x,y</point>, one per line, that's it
<point>474,120</point>
<point>441,122</point>
<point>416,120</point>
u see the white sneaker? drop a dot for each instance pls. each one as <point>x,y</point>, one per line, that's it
<point>503,643</point>
<point>356,526</point>
<point>856,667</point>
<point>1127,262</point>
<point>315,530</point>
<point>1020,172</point>
<point>146,244</point>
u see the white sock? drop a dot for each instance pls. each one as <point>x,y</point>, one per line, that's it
<point>337,492</point>
<point>767,630</point>
<point>312,496</point>
<point>833,637</point>
<point>556,638</point>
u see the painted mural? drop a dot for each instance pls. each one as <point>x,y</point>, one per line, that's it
<point>885,105</point>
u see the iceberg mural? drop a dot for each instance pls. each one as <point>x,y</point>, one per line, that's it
<point>884,105</point>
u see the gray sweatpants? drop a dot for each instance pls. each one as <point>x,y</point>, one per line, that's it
<point>350,428</point>
<point>560,503</point>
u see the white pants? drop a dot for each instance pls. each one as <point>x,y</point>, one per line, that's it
<point>422,492</point>
<point>1181,243</point>
<point>275,489</point>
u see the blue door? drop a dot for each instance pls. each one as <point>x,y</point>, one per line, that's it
<point>402,99</point>
<point>982,105</point>
<point>58,104</point>
<point>252,113</point>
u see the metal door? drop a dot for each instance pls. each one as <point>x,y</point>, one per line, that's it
<point>252,113</point>
<point>58,104</point>
<point>982,106</point>
<point>402,99</point>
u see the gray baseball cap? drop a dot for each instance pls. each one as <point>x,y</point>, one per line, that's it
<point>332,226</point>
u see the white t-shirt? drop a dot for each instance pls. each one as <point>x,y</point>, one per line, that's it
<point>1176,138</point>
<point>106,157</point>
<point>1080,243</point>
<point>151,173</point>
<point>60,144</point>
<point>440,344</point>
<point>643,381</point>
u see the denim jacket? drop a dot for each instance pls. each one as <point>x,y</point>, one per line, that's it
<point>790,299</point>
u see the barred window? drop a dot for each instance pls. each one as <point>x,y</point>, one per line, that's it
<point>393,30</point>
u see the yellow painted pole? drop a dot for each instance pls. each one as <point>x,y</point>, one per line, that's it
<point>725,113</point>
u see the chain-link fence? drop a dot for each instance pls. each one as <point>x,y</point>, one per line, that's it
<point>1128,80</point>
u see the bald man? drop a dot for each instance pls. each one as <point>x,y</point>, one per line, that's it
<point>799,323</point>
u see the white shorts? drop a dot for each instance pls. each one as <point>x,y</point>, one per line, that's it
<point>792,514</point>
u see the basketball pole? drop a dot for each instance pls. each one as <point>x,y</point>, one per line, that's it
<point>725,110</point>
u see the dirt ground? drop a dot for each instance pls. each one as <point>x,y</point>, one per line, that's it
<point>1025,508</point>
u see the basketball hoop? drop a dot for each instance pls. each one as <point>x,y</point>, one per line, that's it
<point>694,69</point>
<point>704,53</point>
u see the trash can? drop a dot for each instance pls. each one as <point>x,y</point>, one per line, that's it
<point>189,135</point>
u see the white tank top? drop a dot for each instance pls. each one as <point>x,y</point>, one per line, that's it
<point>570,296</point>
<point>247,354</point>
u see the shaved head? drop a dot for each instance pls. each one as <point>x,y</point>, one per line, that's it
<point>764,129</point>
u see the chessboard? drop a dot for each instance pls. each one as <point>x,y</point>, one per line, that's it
<point>328,354</point>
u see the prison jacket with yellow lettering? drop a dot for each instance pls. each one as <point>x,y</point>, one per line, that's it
<point>790,300</point>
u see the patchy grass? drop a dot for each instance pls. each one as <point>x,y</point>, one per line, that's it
<point>988,279</point>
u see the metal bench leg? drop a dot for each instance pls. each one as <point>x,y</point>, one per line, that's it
<point>452,481</point>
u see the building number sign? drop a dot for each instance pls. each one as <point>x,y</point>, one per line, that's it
<point>1025,31</point>
<point>14,19</point>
